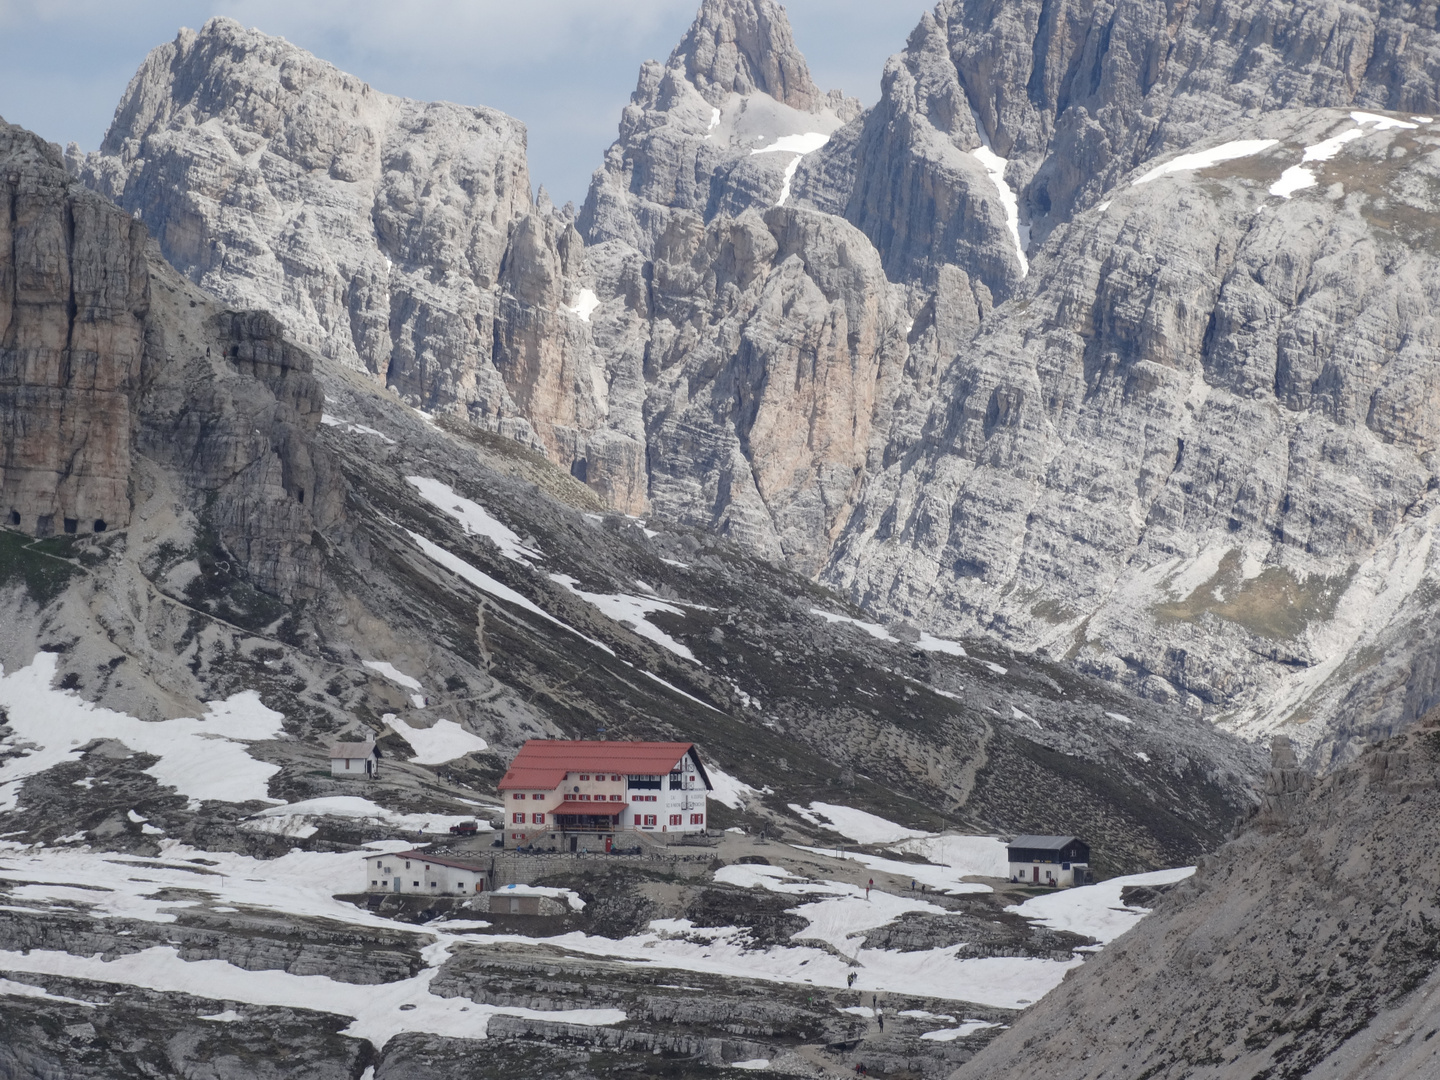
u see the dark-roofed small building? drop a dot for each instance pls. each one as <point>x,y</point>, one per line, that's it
<point>1050,860</point>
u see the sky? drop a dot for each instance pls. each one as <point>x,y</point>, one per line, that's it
<point>565,67</point>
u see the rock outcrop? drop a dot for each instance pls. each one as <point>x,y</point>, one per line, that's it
<point>113,364</point>
<point>395,236</point>
<point>74,291</point>
<point>1191,458</point>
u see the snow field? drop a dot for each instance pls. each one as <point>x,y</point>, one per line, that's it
<point>858,825</point>
<point>442,741</point>
<point>585,304</point>
<point>799,145</point>
<point>728,791</point>
<point>392,673</point>
<point>1095,910</point>
<point>1000,982</point>
<point>202,759</point>
<point>994,166</point>
<point>631,611</point>
<point>379,1011</point>
<point>969,1027</point>
<point>1203,159</point>
<point>927,641</point>
<point>1297,177</point>
<point>298,819</point>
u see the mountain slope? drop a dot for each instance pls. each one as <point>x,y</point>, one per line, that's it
<point>1304,948</point>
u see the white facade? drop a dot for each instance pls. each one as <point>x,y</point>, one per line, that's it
<point>410,872</point>
<point>675,805</point>
<point>355,761</point>
<point>1045,873</point>
<point>672,803</point>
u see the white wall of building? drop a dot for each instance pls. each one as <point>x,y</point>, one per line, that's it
<point>419,876</point>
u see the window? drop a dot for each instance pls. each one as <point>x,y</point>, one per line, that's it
<point>584,776</point>
<point>347,764</point>
<point>583,798</point>
<point>617,798</point>
<point>697,819</point>
<point>615,776</point>
<point>407,864</point>
<point>539,819</point>
<point>674,819</point>
<point>434,884</point>
<point>377,864</point>
<point>374,882</point>
<point>538,797</point>
<point>649,819</point>
<point>517,819</point>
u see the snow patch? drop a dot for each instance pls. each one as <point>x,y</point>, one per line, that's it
<point>201,759</point>
<point>585,305</point>
<point>297,819</point>
<point>351,428</point>
<point>858,825</point>
<point>1204,159</point>
<point>398,677</point>
<point>994,166</point>
<point>1095,910</point>
<point>443,741</point>
<point>474,519</point>
<point>969,1027</point>
<point>631,611</point>
<point>729,791</point>
<point>799,145</point>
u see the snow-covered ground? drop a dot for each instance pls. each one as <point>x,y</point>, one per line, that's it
<point>394,674</point>
<point>927,641</point>
<point>631,611</point>
<point>1203,159</point>
<point>944,879</point>
<point>1002,982</point>
<point>442,741</point>
<point>298,819</point>
<point>202,759</point>
<point>1095,910</point>
<point>798,146</point>
<point>858,825</point>
<point>380,1011</point>
<point>474,518</point>
<point>728,791</point>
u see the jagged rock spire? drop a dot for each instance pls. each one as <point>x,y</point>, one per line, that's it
<point>745,46</point>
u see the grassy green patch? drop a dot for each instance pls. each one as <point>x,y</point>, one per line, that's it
<point>44,567</point>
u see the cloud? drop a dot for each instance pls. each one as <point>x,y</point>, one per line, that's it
<point>565,67</point>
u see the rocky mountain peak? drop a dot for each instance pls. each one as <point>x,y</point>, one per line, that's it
<point>745,46</point>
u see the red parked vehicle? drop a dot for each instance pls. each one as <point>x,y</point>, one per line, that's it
<point>465,828</point>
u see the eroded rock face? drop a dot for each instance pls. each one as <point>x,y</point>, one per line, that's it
<point>113,364</point>
<point>1183,460</point>
<point>74,290</point>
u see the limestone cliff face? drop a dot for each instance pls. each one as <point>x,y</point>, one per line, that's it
<point>379,230</point>
<point>1194,457</point>
<point>945,354</point>
<point>114,366</point>
<point>1073,97</point>
<point>74,290</point>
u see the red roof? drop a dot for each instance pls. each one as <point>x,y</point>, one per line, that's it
<point>595,809</point>
<point>542,763</point>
